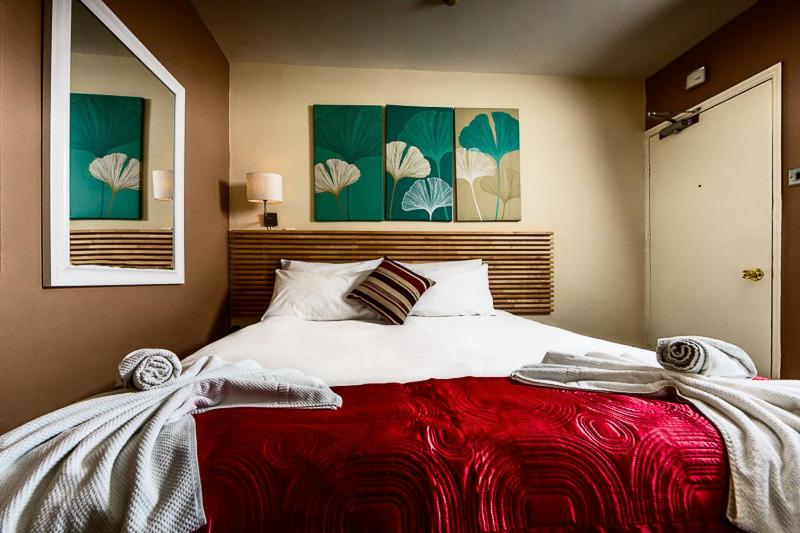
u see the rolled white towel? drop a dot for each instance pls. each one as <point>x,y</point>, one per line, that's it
<point>148,368</point>
<point>706,356</point>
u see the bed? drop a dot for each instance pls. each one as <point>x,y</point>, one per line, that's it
<point>434,436</point>
<point>447,414</point>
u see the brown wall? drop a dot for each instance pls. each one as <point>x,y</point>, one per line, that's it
<point>753,41</point>
<point>58,345</point>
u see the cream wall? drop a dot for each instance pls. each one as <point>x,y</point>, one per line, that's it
<point>581,167</point>
<point>127,76</point>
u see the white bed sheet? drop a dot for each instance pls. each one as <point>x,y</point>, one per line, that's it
<point>351,352</point>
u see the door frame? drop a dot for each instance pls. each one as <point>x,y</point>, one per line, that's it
<point>773,74</point>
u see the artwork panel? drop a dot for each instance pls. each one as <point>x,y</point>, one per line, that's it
<point>106,137</point>
<point>348,168</point>
<point>488,178</point>
<point>419,163</point>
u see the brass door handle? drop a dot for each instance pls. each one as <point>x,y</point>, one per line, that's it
<point>753,274</point>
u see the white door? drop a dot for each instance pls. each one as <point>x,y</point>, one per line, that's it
<point>710,218</point>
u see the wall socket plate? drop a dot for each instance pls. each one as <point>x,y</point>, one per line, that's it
<point>794,177</point>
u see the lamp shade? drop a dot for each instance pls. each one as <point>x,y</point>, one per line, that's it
<point>264,187</point>
<point>163,185</point>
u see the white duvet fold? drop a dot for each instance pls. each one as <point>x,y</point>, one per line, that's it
<point>759,421</point>
<point>354,352</point>
<point>126,461</point>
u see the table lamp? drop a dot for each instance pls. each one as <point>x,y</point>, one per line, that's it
<point>265,187</point>
<point>163,185</point>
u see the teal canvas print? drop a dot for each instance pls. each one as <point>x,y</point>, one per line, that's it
<point>488,183</point>
<point>419,163</point>
<point>348,175</point>
<point>105,156</point>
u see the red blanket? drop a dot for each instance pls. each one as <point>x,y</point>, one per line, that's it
<point>470,454</point>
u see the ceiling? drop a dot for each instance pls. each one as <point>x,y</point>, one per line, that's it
<point>628,39</point>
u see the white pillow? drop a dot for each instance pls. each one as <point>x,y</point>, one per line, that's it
<point>426,269</point>
<point>456,293</point>
<point>330,268</point>
<point>317,296</point>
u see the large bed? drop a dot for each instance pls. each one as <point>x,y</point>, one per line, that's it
<point>434,436</point>
<point>378,395</point>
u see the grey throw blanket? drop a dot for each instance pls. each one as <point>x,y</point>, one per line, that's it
<point>149,367</point>
<point>127,461</point>
<point>706,356</point>
<point>759,421</point>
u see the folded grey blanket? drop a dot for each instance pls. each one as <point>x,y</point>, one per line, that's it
<point>149,367</point>
<point>706,356</point>
<point>759,421</point>
<point>127,461</point>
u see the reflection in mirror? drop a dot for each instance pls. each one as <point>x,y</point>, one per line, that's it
<point>121,153</point>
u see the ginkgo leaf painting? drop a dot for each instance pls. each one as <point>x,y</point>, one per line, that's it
<point>403,161</point>
<point>507,188</point>
<point>428,195</point>
<point>488,184</point>
<point>105,156</point>
<point>472,164</point>
<point>332,177</point>
<point>348,170</point>
<point>118,172</point>
<point>419,148</point>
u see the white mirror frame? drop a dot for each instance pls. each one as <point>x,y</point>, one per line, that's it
<point>58,270</point>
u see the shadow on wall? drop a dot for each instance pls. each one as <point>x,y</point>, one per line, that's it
<point>224,195</point>
<point>221,325</point>
<point>238,190</point>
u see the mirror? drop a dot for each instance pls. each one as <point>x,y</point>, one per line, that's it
<point>121,153</point>
<point>116,155</point>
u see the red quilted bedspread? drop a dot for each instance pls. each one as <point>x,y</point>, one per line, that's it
<point>469,454</point>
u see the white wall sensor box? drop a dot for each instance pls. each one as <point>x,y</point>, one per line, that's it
<point>695,78</point>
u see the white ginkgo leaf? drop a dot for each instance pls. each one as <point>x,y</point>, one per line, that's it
<point>428,195</point>
<point>111,170</point>
<point>472,164</point>
<point>334,175</point>
<point>411,165</point>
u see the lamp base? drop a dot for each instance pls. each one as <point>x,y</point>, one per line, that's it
<point>270,219</point>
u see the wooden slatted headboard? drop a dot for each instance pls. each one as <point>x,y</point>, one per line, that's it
<point>122,248</point>
<point>520,263</point>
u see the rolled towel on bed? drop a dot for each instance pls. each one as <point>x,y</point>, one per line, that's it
<point>148,368</point>
<point>706,356</point>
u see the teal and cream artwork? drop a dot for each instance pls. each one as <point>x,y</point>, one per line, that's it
<point>348,170</point>
<point>419,163</point>
<point>105,156</point>
<point>487,165</point>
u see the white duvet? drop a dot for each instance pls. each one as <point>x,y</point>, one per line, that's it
<point>351,352</point>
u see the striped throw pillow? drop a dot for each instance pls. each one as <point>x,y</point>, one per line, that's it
<point>391,291</point>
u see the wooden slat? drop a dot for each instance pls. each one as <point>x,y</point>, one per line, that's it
<point>520,263</point>
<point>122,248</point>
